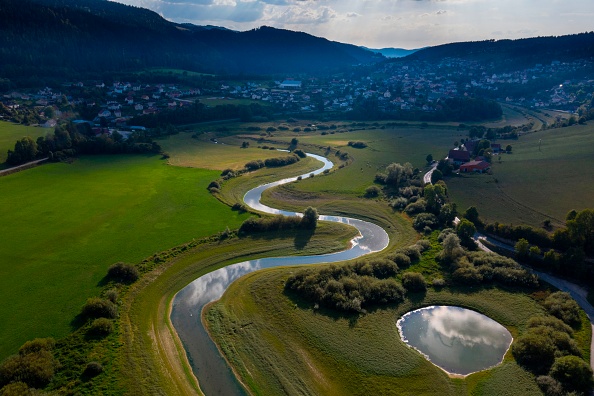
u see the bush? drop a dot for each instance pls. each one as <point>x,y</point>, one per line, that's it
<point>300,153</point>
<point>573,373</point>
<point>96,307</point>
<point>399,203</point>
<point>239,207</point>
<point>17,389</point>
<point>423,220</point>
<point>214,184</point>
<point>535,352</point>
<point>401,260</point>
<point>413,252</point>
<point>123,273</point>
<point>414,282</point>
<point>550,386</point>
<point>93,369</point>
<point>438,282</point>
<point>561,305</point>
<point>309,219</point>
<point>416,207</point>
<point>467,275</point>
<point>36,369</point>
<point>358,145</point>
<point>101,327</point>
<point>37,345</point>
<point>112,295</point>
<point>372,191</point>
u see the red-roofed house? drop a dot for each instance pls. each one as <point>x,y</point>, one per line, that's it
<point>459,156</point>
<point>475,166</point>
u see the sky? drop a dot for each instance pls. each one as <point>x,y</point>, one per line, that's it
<point>388,23</point>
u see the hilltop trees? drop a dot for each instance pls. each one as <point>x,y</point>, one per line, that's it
<point>25,150</point>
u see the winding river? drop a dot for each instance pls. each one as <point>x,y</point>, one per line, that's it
<point>213,373</point>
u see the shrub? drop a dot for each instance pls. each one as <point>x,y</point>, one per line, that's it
<point>123,273</point>
<point>573,373</point>
<point>300,153</point>
<point>550,386</point>
<point>423,220</point>
<point>93,369</point>
<point>438,282</point>
<point>37,345</point>
<point>399,203</point>
<point>372,191</point>
<point>467,275</point>
<point>101,327</point>
<point>17,389</point>
<point>401,260</point>
<point>112,295</point>
<point>309,219</point>
<point>358,145</point>
<point>35,369</point>
<point>214,184</point>
<point>561,305</point>
<point>96,307</point>
<point>416,207</point>
<point>414,282</point>
<point>239,207</point>
<point>413,252</point>
<point>534,351</point>
<point>551,322</point>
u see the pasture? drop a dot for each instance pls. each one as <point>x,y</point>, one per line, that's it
<point>10,133</point>
<point>63,225</point>
<point>548,174</point>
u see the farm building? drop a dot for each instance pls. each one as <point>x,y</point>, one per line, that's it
<point>459,156</point>
<point>475,166</point>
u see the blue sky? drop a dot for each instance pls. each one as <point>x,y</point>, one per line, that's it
<point>388,23</point>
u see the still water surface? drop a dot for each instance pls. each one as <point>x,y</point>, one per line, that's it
<point>457,340</point>
<point>213,373</point>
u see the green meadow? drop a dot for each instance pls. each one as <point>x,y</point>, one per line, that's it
<point>10,133</point>
<point>548,174</point>
<point>63,225</point>
<point>278,343</point>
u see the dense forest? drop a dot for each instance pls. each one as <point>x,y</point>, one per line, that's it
<point>524,52</point>
<point>41,39</point>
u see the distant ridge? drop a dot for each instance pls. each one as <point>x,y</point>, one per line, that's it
<point>523,52</point>
<point>393,52</point>
<point>62,37</point>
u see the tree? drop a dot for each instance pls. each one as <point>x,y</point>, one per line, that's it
<point>508,148</point>
<point>581,230</point>
<point>465,231</point>
<point>573,373</point>
<point>310,218</point>
<point>435,195</point>
<point>429,158</point>
<point>436,176</point>
<point>451,248</point>
<point>25,150</point>
<point>414,282</point>
<point>447,214</point>
<point>522,249</point>
<point>472,215</point>
<point>534,351</point>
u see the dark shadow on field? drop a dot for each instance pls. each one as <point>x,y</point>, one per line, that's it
<point>334,314</point>
<point>301,237</point>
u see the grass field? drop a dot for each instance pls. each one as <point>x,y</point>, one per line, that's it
<point>63,225</point>
<point>202,153</point>
<point>532,184</point>
<point>10,133</point>
<point>279,344</point>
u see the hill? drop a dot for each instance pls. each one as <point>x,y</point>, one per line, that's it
<point>393,52</point>
<point>57,38</point>
<point>524,52</point>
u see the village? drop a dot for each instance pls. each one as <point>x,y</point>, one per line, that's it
<point>393,87</point>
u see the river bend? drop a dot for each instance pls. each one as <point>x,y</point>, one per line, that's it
<point>214,375</point>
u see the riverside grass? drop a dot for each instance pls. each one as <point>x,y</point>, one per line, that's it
<point>286,346</point>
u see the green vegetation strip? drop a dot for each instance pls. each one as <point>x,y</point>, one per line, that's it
<point>10,133</point>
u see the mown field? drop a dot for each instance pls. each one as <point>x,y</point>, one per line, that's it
<point>548,174</point>
<point>202,152</point>
<point>10,133</point>
<point>63,225</point>
<point>281,344</point>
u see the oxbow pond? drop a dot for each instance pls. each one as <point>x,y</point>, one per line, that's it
<point>457,340</point>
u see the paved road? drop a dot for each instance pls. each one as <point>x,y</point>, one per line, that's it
<point>427,177</point>
<point>578,293</point>
<point>21,167</point>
